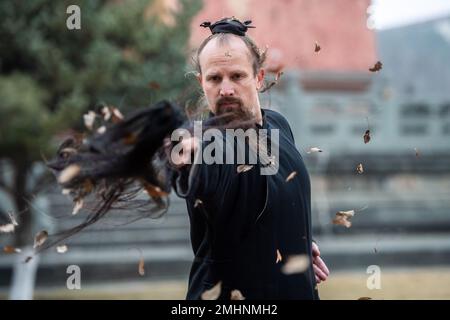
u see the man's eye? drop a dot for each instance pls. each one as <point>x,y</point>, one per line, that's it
<point>214,78</point>
<point>237,76</point>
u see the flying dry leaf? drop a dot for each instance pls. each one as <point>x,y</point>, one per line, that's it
<point>367,136</point>
<point>130,138</point>
<point>291,176</point>
<point>88,186</point>
<point>11,249</point>
<point>213,293</point>
<point>101,130</point>
<point>12,218</point>
<point>377,67</point>
<point>141,267</point>
<point>278,76</point>
<point>28,259</point>
<point>417,152</point>
<point>317,47</point>
<point>197,203</point>
<point>154,191</point>
<point>243,168</point>
<point>77,207</point>
<point>365,298</point>
<point>343,218</point>
<point>40,238</point>
<point>314,149</point>
<point>106,113</point>
<point>89,119</point>
<point>6,228</point>
<point>279,257</point>
<point>61,249</point>
<point>236,295</point>
<point>360,168</point>
<point>154,85</point>
<point>69,173</point>
<point>117,116</point>
<point>296,264</point>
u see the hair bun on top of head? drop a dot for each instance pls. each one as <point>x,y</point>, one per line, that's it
<point>228,25</point>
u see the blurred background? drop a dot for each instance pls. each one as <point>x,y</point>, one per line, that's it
<point>131,53</point>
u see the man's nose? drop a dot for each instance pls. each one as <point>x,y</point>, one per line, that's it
<point>226,89</point>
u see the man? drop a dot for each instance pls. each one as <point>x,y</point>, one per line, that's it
<point>244,225</point>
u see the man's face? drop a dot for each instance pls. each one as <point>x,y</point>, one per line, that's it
<point>227,77</point>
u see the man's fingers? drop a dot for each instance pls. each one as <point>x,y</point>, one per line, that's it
<point>318,280</point>
<point>319,273</point>
<point>315,250</point>
<point>322,266</point>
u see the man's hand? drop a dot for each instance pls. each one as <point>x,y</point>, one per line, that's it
<point>320,268</point>
<point>188,146</point>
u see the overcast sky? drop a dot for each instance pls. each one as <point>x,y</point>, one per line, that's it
<point>393,13</point>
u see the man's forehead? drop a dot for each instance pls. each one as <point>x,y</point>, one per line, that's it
<point>226,49</point>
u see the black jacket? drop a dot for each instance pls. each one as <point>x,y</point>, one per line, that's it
<point>244,218</point>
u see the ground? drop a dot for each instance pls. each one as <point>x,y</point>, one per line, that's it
<point>429,283</point>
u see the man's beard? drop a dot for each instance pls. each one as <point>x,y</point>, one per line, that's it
<point>237,116</point>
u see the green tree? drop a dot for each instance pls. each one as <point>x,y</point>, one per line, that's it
<point>127,53</point>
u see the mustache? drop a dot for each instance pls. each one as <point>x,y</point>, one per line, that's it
<point>226,100</point>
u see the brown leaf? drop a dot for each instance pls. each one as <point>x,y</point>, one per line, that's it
<point>213,293</point>
<point>279,257</point>
<point>40,238</point>
<point>360,168</point>
<point>317,47</point>
<point>197,203</point>
<point>377,67</point>
<point>314,149</point>
<point>365,298</point>
<point>10,249</point>
<point>367,136</point>
<point>236,295</point>
<point>117,116</point>
<point>243,168</point>
<point>69,173</point>
<point>296,264</point>
<point>154,85</point>
<point>343,218</point>
<point>291,176</point>
<point>61,249</point>
<point>141,266</point>
<point>88,186</point>
<point>7,228</point>
<point>130,138</point>
<point>153,191</point>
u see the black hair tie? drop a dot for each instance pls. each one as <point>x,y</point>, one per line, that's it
<point>228,25</point>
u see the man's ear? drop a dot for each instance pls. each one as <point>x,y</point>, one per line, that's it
<point>199,78</point>
<point>260,78</point>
